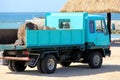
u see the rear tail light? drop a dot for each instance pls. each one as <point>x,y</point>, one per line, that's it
<point>26,52</point>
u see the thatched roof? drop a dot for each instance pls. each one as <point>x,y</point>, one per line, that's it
<point>91,6</point>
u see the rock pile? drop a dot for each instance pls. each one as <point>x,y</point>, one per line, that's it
<point>31,26</point>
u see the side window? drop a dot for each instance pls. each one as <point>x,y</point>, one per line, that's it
<point>91,26</point>
<point>100,26</point>
<point>64,23</point>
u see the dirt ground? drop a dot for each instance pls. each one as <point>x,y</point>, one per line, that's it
<point>109,71</point>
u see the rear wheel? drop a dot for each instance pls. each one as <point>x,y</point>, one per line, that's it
<point>39,67</point>
<point>65,64</point>
<point>18,66</point>
<point>47,64</point>
<point>95,60</point>
<point>10,67</point>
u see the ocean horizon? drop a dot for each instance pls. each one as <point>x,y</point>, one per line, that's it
<point>15,19</point>
<point>22,16</point>
<point>19,16</point>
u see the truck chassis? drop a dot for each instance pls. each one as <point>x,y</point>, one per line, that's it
<point>46,59</point>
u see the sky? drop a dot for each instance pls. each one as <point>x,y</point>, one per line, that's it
<point>31,5</point>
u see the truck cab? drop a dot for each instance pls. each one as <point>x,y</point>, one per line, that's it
<point>97,31</point>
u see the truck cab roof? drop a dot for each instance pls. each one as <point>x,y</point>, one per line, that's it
<point>92,16</point>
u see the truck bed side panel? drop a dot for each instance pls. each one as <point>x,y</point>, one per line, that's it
<point>39,38</point>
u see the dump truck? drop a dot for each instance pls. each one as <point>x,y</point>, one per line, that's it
<point>78,37</point>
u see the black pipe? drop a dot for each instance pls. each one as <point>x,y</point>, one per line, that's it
<point>8,36</point>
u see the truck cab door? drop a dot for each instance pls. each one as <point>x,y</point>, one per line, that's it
<point>102,36</point>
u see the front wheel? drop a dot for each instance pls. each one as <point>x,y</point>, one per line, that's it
<point>48,64</point>
<point>95,60</point>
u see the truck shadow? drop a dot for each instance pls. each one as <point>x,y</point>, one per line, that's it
<point>74,70</point>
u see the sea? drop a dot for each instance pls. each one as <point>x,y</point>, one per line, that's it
<point>15,19</point>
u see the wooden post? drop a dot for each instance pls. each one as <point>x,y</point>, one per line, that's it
<point>109,24</point>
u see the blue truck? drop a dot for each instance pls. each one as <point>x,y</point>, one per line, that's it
<point>79,37</point>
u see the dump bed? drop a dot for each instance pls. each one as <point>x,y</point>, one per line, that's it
<point>70,31</point>
<point>47,38</point>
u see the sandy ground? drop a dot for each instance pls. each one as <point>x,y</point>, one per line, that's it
<point>109,71</point>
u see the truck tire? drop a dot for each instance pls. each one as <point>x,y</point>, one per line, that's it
<point>65,64</point>
<point>48,64</point>
<point>18,66</point>
<point>39,67</point>
<point>10,67</point>
<point>95,60</point>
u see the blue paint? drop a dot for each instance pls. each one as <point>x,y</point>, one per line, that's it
<point>54,37</point>
<point>99,38</point>
<point>76,19</point>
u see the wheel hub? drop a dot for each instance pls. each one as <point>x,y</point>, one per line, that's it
<point>51,64</point>
<point>96,60</point>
